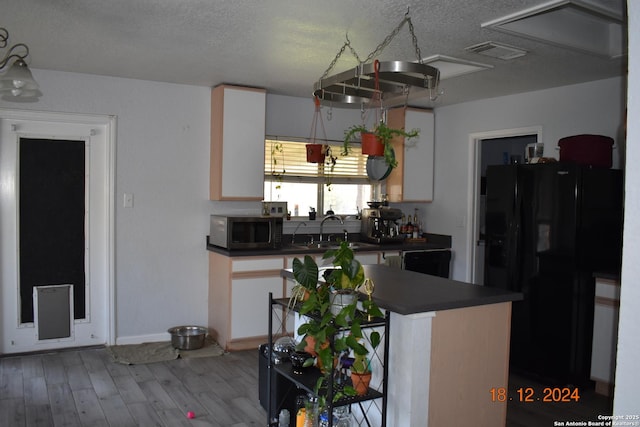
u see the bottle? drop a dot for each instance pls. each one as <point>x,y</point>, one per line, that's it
<point>409,227</point>
<point>403,225</point>
<point>324,419</point>
<point>341,417</point>
<point>283,418</point>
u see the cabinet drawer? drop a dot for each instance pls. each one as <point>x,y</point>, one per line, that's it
<point>368,258</point>
<point>257,264</point>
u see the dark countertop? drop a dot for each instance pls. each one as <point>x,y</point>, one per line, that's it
<point>434,242</point>
<point>407,292</point>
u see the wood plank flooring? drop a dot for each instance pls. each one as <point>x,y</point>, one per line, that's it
<point>83,387</point>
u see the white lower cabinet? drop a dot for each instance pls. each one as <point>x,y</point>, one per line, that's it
<point>367,258</point>
<point>238,289</point>
<point>248,309</point>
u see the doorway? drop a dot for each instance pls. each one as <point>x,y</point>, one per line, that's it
<point>56,223</point>
<point>490,148</point>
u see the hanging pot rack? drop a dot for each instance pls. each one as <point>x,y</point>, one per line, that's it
<point>396,79</point>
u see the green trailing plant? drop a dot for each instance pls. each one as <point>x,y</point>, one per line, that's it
<point>333,335</point>
<point>384,133</point>
<point>277,170</point>
<point>330,161</point>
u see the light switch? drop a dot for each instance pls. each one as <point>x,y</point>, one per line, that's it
<point>128,200</point>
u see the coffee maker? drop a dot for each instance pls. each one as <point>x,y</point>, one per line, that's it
<point>379,225</point>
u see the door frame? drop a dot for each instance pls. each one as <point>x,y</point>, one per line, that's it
<point>110,124</point>
<point>473,196</point>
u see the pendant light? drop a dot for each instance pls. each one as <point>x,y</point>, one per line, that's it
<point>17,83</point>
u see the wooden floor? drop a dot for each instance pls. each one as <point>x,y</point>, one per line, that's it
<point>540,413</point>
<point>85,388</point>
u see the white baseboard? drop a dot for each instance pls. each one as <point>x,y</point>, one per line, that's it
<point>139,339</point>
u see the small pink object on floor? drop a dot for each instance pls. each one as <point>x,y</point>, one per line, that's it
<point>191,415</point>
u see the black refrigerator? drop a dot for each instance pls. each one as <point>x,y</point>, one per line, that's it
<point>549,227</point>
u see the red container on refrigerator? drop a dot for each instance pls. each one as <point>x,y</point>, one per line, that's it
<point>590,150</point>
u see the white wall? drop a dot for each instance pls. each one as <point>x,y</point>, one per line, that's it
<point>627,372</point>
<point>289,116</point>
<point>163,159</point>
<point>594,107</point>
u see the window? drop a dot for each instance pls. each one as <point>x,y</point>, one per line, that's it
<point>288,177</point>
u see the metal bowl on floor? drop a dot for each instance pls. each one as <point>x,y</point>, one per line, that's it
<point>188,337</point>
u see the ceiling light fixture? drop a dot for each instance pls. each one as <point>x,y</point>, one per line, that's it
<point>395,79</point>
<point>17,84</point>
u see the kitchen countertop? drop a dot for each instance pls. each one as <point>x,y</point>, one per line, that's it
<point>407,292</point>
<point>434,242</point>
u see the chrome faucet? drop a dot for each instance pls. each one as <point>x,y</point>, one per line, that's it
<point>326,218</point>
<point>293,236</point>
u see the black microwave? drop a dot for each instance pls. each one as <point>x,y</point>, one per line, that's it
<point>246,232</point>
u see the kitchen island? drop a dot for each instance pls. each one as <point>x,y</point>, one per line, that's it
<point>448,348</point>
<point>240,280</point>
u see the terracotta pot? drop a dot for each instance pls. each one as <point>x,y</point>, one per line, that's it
<point>311,345</point>
<point>371,144</point>
<point>361,382</point>
<point>315,153</point>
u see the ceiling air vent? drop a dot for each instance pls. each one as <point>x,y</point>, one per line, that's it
<point>497,50</point>
<point>453,67</point>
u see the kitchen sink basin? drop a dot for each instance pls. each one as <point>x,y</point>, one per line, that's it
<point>332,245</point>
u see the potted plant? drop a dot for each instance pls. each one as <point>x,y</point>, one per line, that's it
<point>315,153</point>
<point>382,135</point>
<point>327,333</point>
<point>360,374</point>
<point>345,278</point>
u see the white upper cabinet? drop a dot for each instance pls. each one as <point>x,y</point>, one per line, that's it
<point>237,143</point>
<point>412,180</point>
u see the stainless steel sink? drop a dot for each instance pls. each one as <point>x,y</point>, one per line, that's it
<point>332,245</point>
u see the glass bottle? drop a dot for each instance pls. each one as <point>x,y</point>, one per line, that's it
<point>409,226</point>
<point>323,419</point>
<point>311,414</point>
<point>342,417</point>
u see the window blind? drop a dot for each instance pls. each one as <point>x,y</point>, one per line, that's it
<point>286,160</point>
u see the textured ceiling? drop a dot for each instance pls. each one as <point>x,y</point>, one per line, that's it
<point>286,45</point>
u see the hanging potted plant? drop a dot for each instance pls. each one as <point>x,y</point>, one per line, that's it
<point>315,153</point>
<point>376,141</point>
<point>382,135</point>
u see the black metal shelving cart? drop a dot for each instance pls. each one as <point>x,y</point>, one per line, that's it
<point>283,384</point>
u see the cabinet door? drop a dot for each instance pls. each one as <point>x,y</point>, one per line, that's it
<point>237,143</point>
<point>367,258</point>
<point>248,307</point>
<point>412,180</point>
